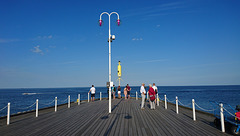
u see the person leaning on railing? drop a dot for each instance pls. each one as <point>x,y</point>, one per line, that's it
<point>237,114</point>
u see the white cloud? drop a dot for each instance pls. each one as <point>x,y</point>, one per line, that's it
<point>150,61</point>
<point>43,37</point>
<point>37,50</point>
<point>8,40</point>
<point>158,26</point>
<point>137,39</point>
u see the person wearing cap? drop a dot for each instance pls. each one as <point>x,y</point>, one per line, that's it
<point>92,90</point>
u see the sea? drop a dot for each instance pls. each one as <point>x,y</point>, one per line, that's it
<point>206,97</point>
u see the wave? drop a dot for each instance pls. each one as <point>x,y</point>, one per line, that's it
<point>29,93</point>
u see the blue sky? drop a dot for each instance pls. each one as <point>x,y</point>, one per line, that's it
<point>60,44</point>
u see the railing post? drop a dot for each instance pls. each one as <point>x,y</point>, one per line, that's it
<point>165,97</point>
<point>88,97</point>
<point>136,95</point>
<point>68,101</point>
<point>176,104</point>
<point>222,117</point>
<point>157,100</point>
<point>55,104</point>
<point>193,107</point>
<point>100,96</point>
<point>37,108</point>
<point>147,96</point>
<point>78,99</point>
<point>8,114</point>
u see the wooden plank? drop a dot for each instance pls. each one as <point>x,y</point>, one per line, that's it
<point>126,119</point>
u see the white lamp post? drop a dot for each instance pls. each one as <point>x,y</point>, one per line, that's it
<point>110,38</point>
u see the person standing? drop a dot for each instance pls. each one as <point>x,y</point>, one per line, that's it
<point>125,92</point>
<point>156,91</point>
<point>128,91</point>
<point>114,91</point>
<point>92,90</point>
<point>143,93</point>
<point>119,92</point>
<point>151,93</point>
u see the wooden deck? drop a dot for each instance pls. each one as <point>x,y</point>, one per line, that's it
<point>92,119</point>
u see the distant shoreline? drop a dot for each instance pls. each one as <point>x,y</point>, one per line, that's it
<point>122,86</point>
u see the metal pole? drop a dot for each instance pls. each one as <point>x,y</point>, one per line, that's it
<point>78,99</point>
<point>177,104</point>
<point>222,117</point>
<point>88,97</point>
<point>55,104</point>
<point>68,101</point>
<point>136,95</point>
<point>37,108</point>
<point>157,100</point>
<point>193,107</point>
<point>100,96</point>
<point>109,40</point>
<point>165,97</point>
<point>8,114</point>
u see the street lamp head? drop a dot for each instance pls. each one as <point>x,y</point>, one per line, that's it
<point>100,22</point>
<point>118,22</point>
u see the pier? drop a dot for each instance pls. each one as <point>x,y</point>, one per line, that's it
<point>126,119</point>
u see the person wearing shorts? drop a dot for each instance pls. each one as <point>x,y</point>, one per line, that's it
<point>128,91</point>
<point>92,90</point>
<point>119,92</point>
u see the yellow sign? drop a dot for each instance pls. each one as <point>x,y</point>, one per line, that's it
<point>119,69</point>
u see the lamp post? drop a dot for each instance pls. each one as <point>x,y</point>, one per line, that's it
<point>110,38</point>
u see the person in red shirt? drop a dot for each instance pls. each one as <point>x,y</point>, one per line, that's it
<point>237,113</point>
<point>128,91</point>
<point>151,93</point>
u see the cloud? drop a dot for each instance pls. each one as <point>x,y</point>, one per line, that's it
<point>8,40</point>
<point>37,50</point>
<point>159,10</point>
<point>158,26</point>
<point>150,61</point>
<point>46,37</point>
<point>137,39</point>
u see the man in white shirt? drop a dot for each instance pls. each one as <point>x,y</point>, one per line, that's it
<point>92,90</point>
<point>143,93</point>
<point>156,91</point>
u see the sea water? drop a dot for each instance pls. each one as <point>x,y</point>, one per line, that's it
<point>24,99</point>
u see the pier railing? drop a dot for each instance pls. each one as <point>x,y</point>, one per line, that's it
<point>218,107</point>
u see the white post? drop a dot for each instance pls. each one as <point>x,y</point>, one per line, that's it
<point>157,100</point>
<point>88,97</point>
<point>55,104</point>
<point>222,117</point>
<point>193,107</point>
<point>8,114</point>
<point>37,108</point>
<point>177,104</point>
<point>136,95</point>
<point>78,99</point>
<point>165,97</point>
<point>109,41</point>
<point>100,96</point>
<point>147,96</point>
<point>68,101</point>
